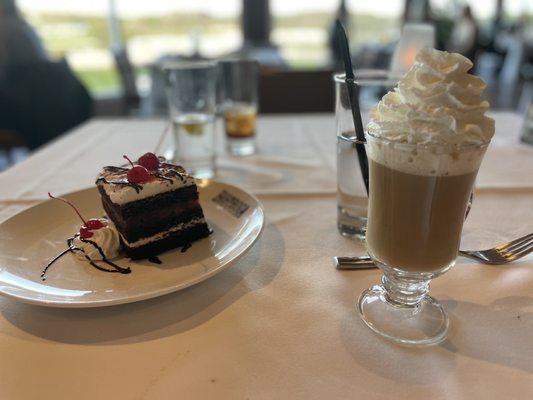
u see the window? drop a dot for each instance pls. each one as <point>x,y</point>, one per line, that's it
<point>300,29</point>
<point>375,22</point>
<point>79,31</point>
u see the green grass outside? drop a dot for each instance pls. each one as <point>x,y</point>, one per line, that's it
<point>99,81</point>
<point>105,80</point>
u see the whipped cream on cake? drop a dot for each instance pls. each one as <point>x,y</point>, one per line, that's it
<point>437,105</point>
<point>114,182</point>
<point>103,244</point>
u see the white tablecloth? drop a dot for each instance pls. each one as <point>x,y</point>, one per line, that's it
<point>280,323</point>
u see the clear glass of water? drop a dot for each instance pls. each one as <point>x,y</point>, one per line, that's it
<point>352,199</point>
<point>239,93</point>
<point>191,93</point>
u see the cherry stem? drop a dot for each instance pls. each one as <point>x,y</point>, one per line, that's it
<point>70,204</point>
<point>127,158</point>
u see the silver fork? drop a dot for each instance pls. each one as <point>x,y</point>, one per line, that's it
<point>498,255</point>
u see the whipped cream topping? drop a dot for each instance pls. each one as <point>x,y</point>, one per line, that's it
<point>168,177</point>
<point>438,105</point>
<point>106,239</point>
<point>436,102</point>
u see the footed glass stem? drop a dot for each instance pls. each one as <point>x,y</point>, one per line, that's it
<point>401,310</point>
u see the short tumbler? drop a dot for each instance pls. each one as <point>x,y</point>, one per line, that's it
<point>239,98</point>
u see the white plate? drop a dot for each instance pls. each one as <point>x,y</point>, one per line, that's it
<point>30,239</point>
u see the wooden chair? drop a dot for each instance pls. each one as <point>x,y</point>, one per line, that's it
<point>130,94</point>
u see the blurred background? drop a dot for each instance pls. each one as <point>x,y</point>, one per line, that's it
<point>62,62</point>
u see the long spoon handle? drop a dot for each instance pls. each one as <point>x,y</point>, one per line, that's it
<point>350,263</point>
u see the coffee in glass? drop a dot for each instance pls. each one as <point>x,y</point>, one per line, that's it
<point>425,143</point>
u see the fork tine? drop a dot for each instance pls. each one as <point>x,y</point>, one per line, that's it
<point>517,247</point>
<point>515,242</point>
<point>522,253</point>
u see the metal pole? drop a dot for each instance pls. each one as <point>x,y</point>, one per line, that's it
<point>116,40</point>
<point>256,23</point>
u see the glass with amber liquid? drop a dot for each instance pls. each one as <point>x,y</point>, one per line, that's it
<point>239,105</point>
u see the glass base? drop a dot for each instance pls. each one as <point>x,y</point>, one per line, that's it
<point>241,147</point>
<point>350,226</point>
<point>201,173</point>
<point>423,324</point>
<point>200,169</point>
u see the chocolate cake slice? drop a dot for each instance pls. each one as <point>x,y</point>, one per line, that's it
<point>154,214</point>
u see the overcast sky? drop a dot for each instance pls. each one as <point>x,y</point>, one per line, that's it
<point>134,8</point>
<point>216,7</point>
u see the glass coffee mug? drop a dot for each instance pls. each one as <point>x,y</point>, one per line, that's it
<point>418,200</point>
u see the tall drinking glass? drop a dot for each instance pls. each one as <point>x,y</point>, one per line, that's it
<point>239,87</point>
<point>418,198</point>
<point>191,93</point>
<point>352,198</point>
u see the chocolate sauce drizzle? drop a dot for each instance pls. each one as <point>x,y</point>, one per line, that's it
<point>123,182</point>
<point>113,169</point>
<point>171,172</point>
<point>116,268</point>
<point>174,170</point>
<point>53,260</point>
<point>186,247</point>
<point>163,177</point>
<point>71,248</point>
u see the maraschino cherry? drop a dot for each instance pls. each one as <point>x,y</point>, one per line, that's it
<point>88,225</point>
<point>149,161</point>
<point>138,173</point>
<point>85,233</point>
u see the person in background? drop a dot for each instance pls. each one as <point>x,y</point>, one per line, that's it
<point>19,43</point>
<point>464,37</point>
<point>40,98</point>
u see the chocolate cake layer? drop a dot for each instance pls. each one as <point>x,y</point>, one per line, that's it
<point>133,208</point>
<point>135,231</point>
<point>157,220</point>
<point>175,239</point>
